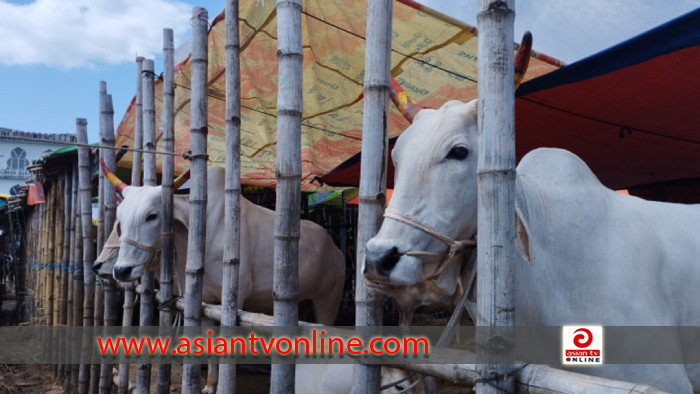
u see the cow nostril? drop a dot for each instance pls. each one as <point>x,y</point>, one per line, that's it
<point>96,267</point>
<point>389,261</point>
<point>122,272</point>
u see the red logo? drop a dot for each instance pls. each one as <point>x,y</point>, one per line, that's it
<point>584,339</point>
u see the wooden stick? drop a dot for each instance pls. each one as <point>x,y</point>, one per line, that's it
<point>377,88</point>
<point>194,269</point>
<point>232,221</point>
<point>496,185</point>
<point>167,314</point>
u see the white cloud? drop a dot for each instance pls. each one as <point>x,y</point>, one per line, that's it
<point>573,29</point>
<point>75,33</point>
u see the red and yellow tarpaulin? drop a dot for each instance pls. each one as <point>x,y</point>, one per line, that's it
<point>433,58</point>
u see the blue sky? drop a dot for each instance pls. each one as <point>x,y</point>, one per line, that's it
<point>53,53</point>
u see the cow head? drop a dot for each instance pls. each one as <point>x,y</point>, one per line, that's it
<point>435,190</point>
<point>432,215</point>
<point>139,228</point>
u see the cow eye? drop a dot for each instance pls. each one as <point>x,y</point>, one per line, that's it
<point>152,216</point>
<point>458,153</point>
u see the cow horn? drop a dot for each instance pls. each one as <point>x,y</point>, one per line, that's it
<point>179,181</point>
<point>405,104</point>
<point>522,58</point>
<point>118,184</point>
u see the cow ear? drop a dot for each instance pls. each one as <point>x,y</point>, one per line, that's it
<point>523,242</point>
<point>181,212</point>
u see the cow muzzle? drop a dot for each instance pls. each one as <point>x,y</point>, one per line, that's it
<point>124,273</point>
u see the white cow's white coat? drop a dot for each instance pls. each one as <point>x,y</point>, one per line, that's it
<point>588,255</point>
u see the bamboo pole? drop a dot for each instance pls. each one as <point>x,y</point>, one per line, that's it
<point>288,196</point>
<point>167,313</point>
<point>43,304</point>
<point>232,190</point>
<point>372,198</point>
<point>95,369</point>
<point>110,300</point>
<point>138,126</point>
<point>128,317</point>
<point>58,263</point>
<point>496,186</point>
<point>65,251</point>
<point>146,318</point>
<point>50,252</point>
<point>78,288</point>
<point>84,189</point>
<point>129,287</point>
<point>70,241</point>
<point>194,269</point>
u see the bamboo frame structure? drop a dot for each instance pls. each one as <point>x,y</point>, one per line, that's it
<point>194,269</point>
<point>373,170</point>
<point>167,313</point>
<point>232,189</point>
<point>496,193</point>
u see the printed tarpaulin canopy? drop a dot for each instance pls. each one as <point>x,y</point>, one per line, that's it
<point>433,58</point>
<point>630,112</point>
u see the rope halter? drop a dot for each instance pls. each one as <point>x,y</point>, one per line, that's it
<point>453,246</point>
<point>153,252</point>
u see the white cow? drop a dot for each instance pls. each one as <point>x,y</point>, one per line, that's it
<point>321,263</point>
<point>338,379</point>
<point>588,254</point>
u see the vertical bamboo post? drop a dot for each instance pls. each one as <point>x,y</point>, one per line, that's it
<point>58,263</point>
<point>43,303</point>
<point>95,373</point>
<point>128,317</point>
<point>167,313</point>
<point>88,239</point>
<point>232,235</point>
<point>65,256</point>
<point>78,288</point>
<point>138,126</point>
<point>107,190</point>
<point>373,171</point>
<point>70,259</point>
<point>50,251</point>
<point>288,200</point>
<point>146,318</point>
<point>194,270</point>
<point>496,186</point>
<point>129,287</point>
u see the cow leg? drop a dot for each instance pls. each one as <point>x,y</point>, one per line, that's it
<point>212,379</point>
